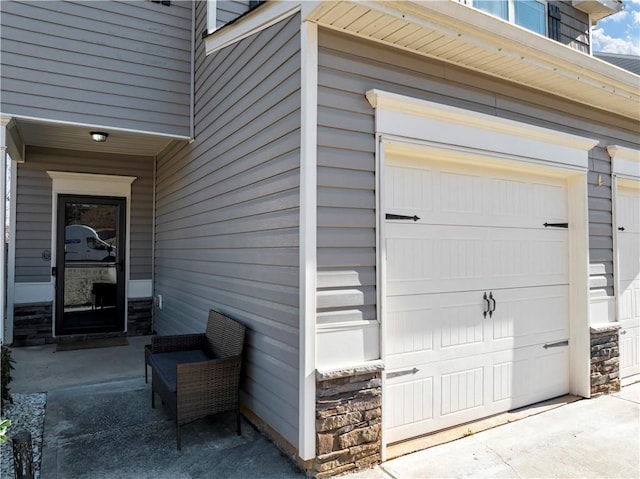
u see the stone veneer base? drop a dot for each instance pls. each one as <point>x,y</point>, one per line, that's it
<point>33,323</point>
<point>605,360</point>
<point>348,420</point>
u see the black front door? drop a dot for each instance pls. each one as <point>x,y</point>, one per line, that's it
<point>90,270</point>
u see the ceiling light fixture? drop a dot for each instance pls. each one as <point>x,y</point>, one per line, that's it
<point>99,136</point>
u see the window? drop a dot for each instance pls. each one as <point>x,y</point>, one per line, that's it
<point>529,14</point>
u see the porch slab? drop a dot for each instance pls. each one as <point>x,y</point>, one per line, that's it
<point>109,430</point>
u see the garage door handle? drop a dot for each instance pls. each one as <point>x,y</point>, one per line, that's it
<point>492,310</point>
<point>487,304</point>
<point>556,225</point>
<point>621,228</point>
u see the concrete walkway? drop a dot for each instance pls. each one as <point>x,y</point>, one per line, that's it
<point>99,424</point>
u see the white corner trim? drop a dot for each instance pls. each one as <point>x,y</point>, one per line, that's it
<point>625,162</point>
<point>32,293</point>
<point>308,239</point>
<point>425,120</point>
<point>140,288</point>
<point>253,22</point>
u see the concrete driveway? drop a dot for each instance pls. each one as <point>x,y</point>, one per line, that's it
<point>596,438</point>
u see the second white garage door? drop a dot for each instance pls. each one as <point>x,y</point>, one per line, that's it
<point>477,313</point>
<point>628,242</point>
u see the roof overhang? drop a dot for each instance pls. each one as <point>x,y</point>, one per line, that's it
<point>466,37</point>
<point>75,136</point>
<point>598,9</point>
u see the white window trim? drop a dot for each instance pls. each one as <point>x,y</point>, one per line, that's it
<point>65,182</point>
<point>212,7</point>
<point>253,22</point>
<point>511,14</point>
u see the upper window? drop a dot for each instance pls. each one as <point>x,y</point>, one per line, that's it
<point>530,14</point>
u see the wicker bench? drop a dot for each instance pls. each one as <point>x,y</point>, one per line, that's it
<point>198,375</point>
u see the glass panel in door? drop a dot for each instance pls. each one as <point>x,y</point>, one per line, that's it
<point>90,265</point>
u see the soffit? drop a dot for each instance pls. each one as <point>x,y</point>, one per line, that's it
<point>469,38</point>
<point>76,137</point>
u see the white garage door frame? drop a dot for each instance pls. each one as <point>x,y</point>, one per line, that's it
<point>625,168</point>
<point>409,126</point>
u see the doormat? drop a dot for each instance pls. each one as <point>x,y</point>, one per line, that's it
<point>92,343</point>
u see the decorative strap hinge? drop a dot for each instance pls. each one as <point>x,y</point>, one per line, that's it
<point>390,216</point>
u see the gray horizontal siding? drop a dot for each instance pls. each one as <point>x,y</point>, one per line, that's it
<point>348,67</point>
<point>574,27</point>
<point>227,11</point>
<point>34,210</point>
<point>123,64</point>
<point>227,213</point>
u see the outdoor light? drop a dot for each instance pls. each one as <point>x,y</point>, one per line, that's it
<point>99,136</point>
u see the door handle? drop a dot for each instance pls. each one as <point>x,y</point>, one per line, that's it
<point>487,305</point>
<point>492,310</point>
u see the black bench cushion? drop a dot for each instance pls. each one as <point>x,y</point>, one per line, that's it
<point>165,364</point>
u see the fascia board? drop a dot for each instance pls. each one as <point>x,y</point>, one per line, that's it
<point>598,79</point>
<point>496,33</point>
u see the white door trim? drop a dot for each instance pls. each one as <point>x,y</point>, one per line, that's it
<point>405,125</point>
<point>65,182</point>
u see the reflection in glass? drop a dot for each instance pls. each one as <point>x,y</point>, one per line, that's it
<point>91,256</point>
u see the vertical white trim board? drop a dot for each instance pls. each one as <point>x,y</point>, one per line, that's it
<point>308,239</point>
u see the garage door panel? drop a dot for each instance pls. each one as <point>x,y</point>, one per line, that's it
<point>529,375</point>
<point>432,259</point>
<point>447,393</point>
<point>630,304</point>
<point>628,249</point>
<point>479,232</point>
<point>628,209</point>
<point>629,351</point>
<point>525,317</point>
<point>434,327</point>
<point>451,194</point>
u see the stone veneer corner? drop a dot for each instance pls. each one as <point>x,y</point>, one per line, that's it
<point>605,359</point>
<point>348,419</point>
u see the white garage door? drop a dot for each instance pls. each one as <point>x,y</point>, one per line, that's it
<point>628,241</point>
<point>453,356</point>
